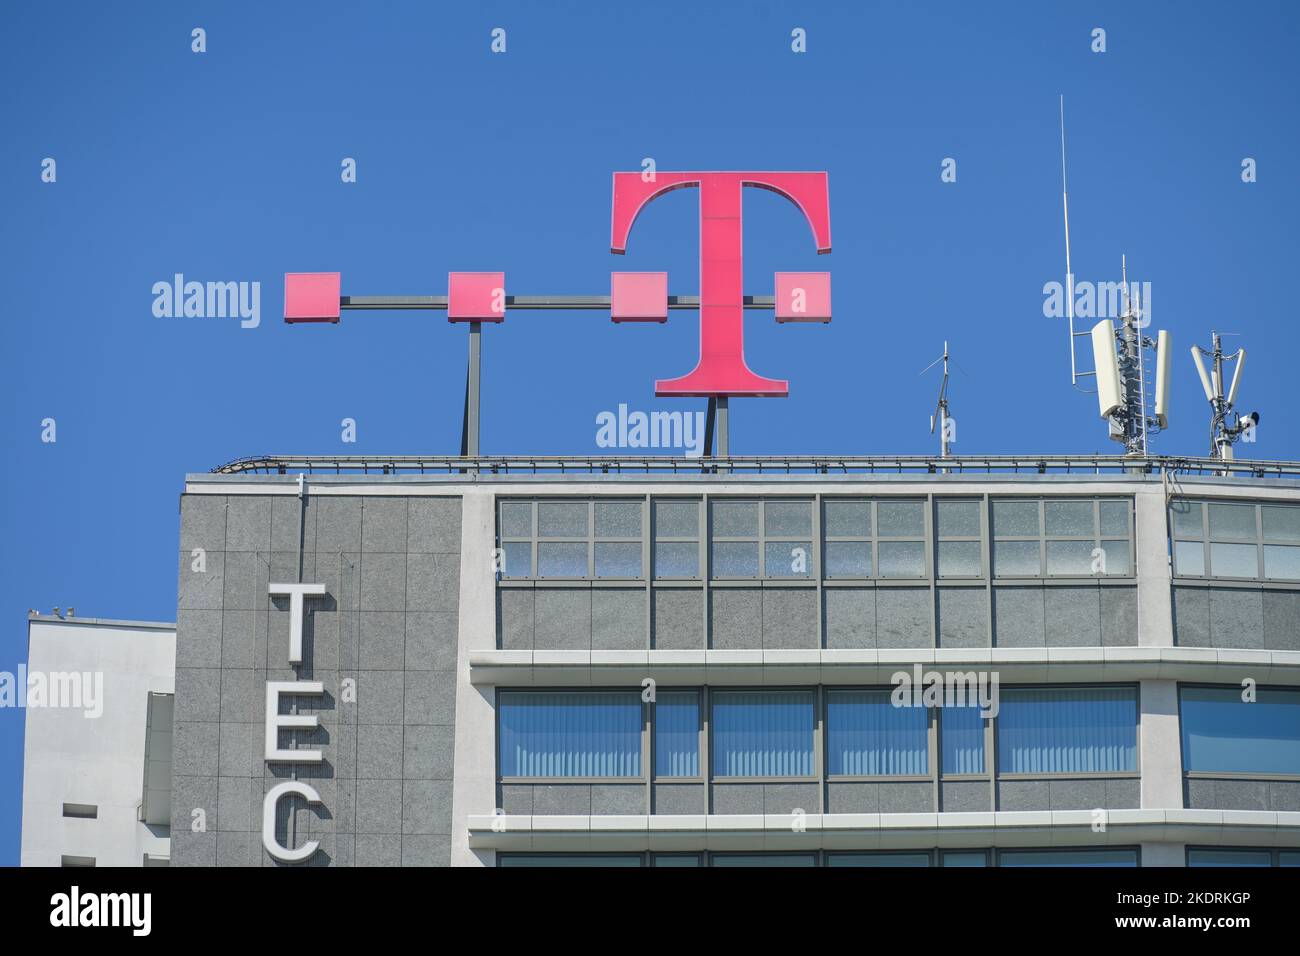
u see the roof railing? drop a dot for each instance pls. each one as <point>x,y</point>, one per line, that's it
<point>754,465</point>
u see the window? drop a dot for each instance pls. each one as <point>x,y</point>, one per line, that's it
<point>570,538</point>
<point>82,811</point>
<point>895,550</point>
<point>676,860</point>
<point>764,733</point>
<point>920,858</point>
<point>761,538</point>
<point>763,859</point>
<point>677,734</point>
<point>1062,537</point>
<point>1115,857</point>
<point>963,858</point>
<point>1230,539</point>
<point>587,734</point>
<point>1070,730</point>
<point>961,733</point>
<point>77,861</point>
<point>867,736</point>
<point>569,859</point>
<point>957,528</point>
<point>677,538</point>
<point>1197,856</point>
<point>1224,734</point>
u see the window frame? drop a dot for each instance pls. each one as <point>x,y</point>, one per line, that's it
<point>1043,538</point>
<point>1135,773</point>
<point>1207,541</point>
<point>535,540</point>
<point>762,538</point>
<point>701,754</point>
<point>816,691</point>
<point>1228,774</point>
<point>639,780</point>
<point>930,735</point>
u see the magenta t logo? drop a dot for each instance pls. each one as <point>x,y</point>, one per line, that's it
<point>721,369</point>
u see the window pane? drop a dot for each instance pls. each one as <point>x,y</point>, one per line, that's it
<point>847,518</point>
<point>1114,517</point>
<point>1068,517</point>
<point>961,518</point>
<point>867,736</point>
<point>565,734</point>
<point>1288,858</point>
<point>1187,519</point>
<point>569,859</point>
<point>618,559</point>
<point>1281,562</point>
<point>1069,558</point>
<point>557,559</point>
<point>677,519</point>
<point>676,859</point>
<point>901,559</point>
<point>762,734</point>
<point>959,559</point>
<point>1067,730</point>
<point>677,734</point>
<point>735,559</point>
<point>787,518</point>
<point>618,519</point>
<point>764,859</point>
<point>1118,558</point>
<point>788,559</point>
<point>735,519</point>
<point>962,734</point>
<point>1224,734</point>
<point>562,519</point>
<point>1189,557</point>
<point>518,559</point>
<point>900,519</point>
<point>1229,858</point>
<point>1234,561</point>
<point>1281,522</point>
<point>1232,521</point>
<point>965,858</point>
<point>878,859</point>
<point>848,559</point>
<point>1016,559</point>
<point>1015,518</point>
<point>677,559</point>
<point>1067,858</point>
<point>516,519</point>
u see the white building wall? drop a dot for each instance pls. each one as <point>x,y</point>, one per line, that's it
<point>70,757</point>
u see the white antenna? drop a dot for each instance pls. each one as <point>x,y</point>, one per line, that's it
<point>1069,276</point>
<point>1121,378</point>
<point>1223,410</point>
<point>940,416</point>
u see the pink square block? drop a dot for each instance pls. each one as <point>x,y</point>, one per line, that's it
<point>476,297</point>
<point>638,296</point>
<point>803,296</point>
<point>311,297</point>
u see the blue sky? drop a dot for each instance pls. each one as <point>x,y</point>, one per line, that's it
<point>226,166</point>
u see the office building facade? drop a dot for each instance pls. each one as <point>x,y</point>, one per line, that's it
<point>507,668</point>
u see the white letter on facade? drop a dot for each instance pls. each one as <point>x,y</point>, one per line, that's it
<point>296,592</point>
<point>272,845</point>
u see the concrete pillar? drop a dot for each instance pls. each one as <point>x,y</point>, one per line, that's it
<point>1160,745</point>
<point>474,786</point>
<point>1154,595</point>
<point>1164,854</point>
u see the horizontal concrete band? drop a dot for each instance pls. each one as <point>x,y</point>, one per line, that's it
<point>853,666</point>
<point>837,831</point>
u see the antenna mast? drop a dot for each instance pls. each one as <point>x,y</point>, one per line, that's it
<point>1069,275</point>
<point>940,417</point>
<point>1222,408</point>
